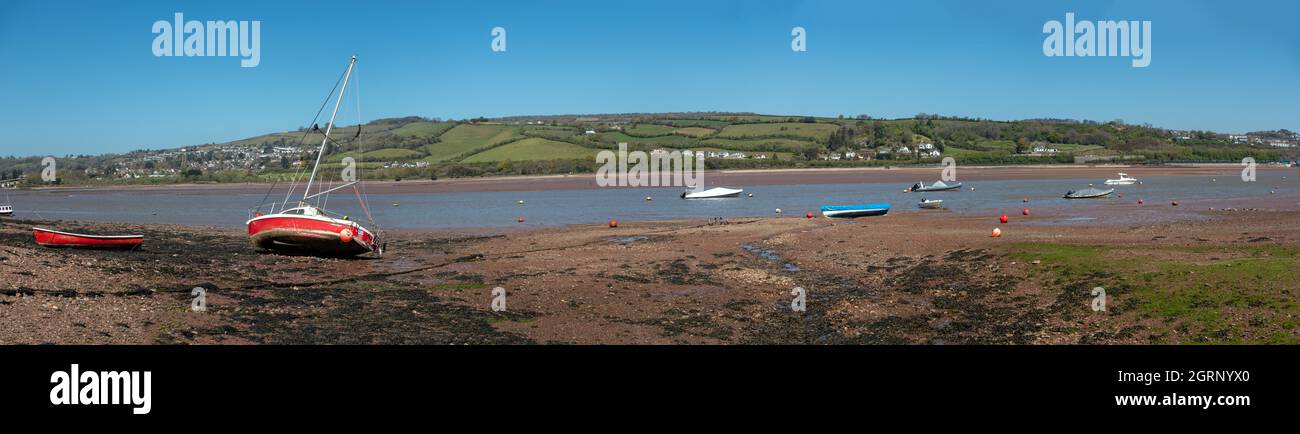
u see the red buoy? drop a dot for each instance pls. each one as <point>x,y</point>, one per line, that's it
<point>808,214</point>
<point>613,223</point>
<point>1024,211</point>
<point>1003,219</point>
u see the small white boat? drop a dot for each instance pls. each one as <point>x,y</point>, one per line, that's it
<point>930,204</point>
<point>6,210</point>
<point>1124,179</point>
<point>712,193</point>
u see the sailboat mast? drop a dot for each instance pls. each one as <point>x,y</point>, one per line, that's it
<point>346,77</point>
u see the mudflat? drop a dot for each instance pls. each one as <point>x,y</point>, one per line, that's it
<point>1206,276</point>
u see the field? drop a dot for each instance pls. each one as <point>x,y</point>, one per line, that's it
<point>423,129</point>
<point>467,138</point>
<point>649,130</point>
<point>695,131</point>
<point>818,132</point>
<point>533,149</point>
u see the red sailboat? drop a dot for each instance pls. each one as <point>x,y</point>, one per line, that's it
<point>52,238</point>
<point>306,228</point>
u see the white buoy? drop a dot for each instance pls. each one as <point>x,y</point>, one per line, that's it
<point>751,195</point>
<point>521,202</point>
<point>648,198</point>
<point>778,210</point>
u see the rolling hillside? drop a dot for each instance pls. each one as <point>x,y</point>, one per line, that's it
<point>419,147</point>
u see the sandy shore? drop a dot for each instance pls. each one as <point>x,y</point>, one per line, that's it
<point>902,175</point>
<point>932,278</point>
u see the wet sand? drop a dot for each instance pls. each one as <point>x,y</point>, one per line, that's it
<point>926,278</point>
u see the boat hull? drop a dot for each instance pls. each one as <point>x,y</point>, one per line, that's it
<point>930,205</point>
<point>713,193</point>
<point>313,235</point>
<point>1090,195</point>
<point>853,211</point>
<point>1118,182</point>
<point>956,186</point>
<point>51,238</point>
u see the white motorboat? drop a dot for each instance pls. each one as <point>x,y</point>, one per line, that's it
<point>712,193</point>
<point>1124,179</point>
<point>930,204</point>
<point>6,210</point>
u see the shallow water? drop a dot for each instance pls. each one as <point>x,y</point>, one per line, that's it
<point>561,207</point>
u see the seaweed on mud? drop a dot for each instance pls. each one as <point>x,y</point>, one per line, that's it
<point>676,322</point>
<point>678,272</point>
<point>351,316</point>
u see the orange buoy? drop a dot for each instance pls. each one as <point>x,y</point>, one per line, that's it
<point>1003,218</point>
<point>997,232</point>
<point>613,223</point>
<point>1024,211</point>
<point>345,236</point>
<point>808,214</point>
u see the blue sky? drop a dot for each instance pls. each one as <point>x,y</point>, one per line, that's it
<point>80,77</point>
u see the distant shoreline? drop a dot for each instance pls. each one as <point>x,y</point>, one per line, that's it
<point>740,178</point>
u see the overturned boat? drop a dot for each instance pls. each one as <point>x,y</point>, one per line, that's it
<point>713,193</point>
<point>1088,193</point>
<point>937,186</point>
<point>53,238</point>
<point>851,211</point>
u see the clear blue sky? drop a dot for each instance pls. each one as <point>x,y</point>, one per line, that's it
<point>80,77</point>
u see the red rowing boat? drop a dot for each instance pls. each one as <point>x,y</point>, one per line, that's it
<point>50,238</point>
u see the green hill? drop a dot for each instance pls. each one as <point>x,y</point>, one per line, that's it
<point>533,149</point>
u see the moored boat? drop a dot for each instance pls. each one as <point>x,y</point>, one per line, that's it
<point>1124,179</point>
<point>713,193</point>
<point>930,204</point>
<point>6,210</point>
<point>851,211</point>
<point>308,229</point>
<point>53,238</point>
<point>937,186</point>
<point>1088,193</point>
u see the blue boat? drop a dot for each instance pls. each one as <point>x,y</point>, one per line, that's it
<point>851,211</point>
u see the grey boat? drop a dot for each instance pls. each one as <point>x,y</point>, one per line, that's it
<point>1088,193</point>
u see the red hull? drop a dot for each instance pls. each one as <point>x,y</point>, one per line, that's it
<point>316,235</point>
<point>49,238</point>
